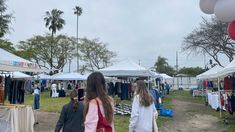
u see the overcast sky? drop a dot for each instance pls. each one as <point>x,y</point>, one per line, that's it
<point>136,29</point>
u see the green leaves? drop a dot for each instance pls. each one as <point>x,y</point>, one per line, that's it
<point>54,20</point>
<point>39,48</point>
<point>5,19</point>
<point>95,54</point>
<point>162,66</point>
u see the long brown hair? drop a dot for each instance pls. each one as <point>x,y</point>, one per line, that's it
<point>145,98</point>
<point>96,88</point>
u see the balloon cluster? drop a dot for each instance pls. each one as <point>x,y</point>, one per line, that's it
<point>224,10</point>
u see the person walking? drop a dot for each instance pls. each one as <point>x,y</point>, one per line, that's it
<point>167,87</point>
<point>144,113</point>
<point>36,93</point>
<point>98,105</point>
<point>71,117</point>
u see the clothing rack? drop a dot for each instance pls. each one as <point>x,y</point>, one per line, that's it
<point>222,114</point>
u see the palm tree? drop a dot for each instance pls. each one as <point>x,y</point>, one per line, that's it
<point>54,22</point>
<point>77,12</point>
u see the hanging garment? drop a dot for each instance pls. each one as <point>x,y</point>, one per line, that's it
<point>7,86</point>
<point>228,83</point>
<point>155,95</point>
<point>233,103</point>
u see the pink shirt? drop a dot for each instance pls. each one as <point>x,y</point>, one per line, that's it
<point>92,117</point>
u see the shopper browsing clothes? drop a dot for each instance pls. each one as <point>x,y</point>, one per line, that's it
<point>98,105</point>
<point>71,117</point>
<point>144,113</point>
<point>36,97</point>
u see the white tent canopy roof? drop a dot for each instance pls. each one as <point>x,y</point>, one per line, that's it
<point>229,69</point>
<point>124,69</point>
<point>69,76</point>
<point>211,73</point>
<point>165,76</point>
<point>21,75</point>
<point>18,75</point>
<point>43,76</point>
<point>11,62</point>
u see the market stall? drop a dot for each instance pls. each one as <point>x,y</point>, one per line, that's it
<point>69,76</point>
<point>11,62</point>
<point>15,117</point>
<point>210,85</point>
<point>126,68</point>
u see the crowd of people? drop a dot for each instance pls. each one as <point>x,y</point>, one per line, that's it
<point>96,112</point>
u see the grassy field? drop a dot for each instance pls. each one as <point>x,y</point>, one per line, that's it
<point>121,122</point>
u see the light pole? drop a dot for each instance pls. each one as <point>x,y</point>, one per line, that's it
<point>77,12</point>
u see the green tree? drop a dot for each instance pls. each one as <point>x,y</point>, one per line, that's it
<point>5,19</point>
<point>95,54</point>
<point>37,49</point>
<point>54,22</point>
<point>8,46</point>
<point>194,71</point>
<point>162,66</point>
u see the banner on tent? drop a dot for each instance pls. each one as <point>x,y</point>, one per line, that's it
<point>20,64</point>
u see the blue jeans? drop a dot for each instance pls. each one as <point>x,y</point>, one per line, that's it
<point>36,101</point>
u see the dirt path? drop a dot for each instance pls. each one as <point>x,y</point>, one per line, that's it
<point>47,121</point>
<point>191,117</point>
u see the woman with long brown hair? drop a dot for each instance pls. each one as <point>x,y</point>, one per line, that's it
<point>143,110</point>
<point>96,98</point>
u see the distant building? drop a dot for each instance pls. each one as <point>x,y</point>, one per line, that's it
<point>184,81</point>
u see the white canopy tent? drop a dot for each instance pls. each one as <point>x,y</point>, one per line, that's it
<point>229,69</point>
<point>43,76</point>
<point>69,76</point>
<point>18,75</point>
<point>11,62</point>
<point>165,76</point>
<point>126,68</point>
<point>211,73</point>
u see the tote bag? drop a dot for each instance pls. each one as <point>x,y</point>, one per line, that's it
<point>103,125</point>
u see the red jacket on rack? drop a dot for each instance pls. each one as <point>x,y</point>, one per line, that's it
<point>228,83</point>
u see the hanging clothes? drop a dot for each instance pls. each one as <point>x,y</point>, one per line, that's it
<point>16,92</point>
<point>1,91</point>
<point>155,94</point>
<point>233,103</point>
<point>228,83</point>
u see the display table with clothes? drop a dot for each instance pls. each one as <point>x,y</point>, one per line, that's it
<point>198,93</point>
<point>16,118</point>
<point>213,100</point>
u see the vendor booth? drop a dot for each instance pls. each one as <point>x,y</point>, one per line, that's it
<point>15,117</point>
<point>126,68</point>
<point>208,83</point>
<point>69,76</point>
<point>11,62</point>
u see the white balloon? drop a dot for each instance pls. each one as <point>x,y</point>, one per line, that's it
<point>207,6</point>
<point>225,10</point>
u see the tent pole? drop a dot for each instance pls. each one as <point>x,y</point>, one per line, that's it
<point>148,82</point>
<point>219,97</point>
